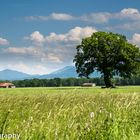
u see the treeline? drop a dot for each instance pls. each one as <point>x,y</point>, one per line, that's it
<point>57,82</point>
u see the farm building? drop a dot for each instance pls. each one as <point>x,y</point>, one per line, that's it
<point>7,85</point>
<point>88,85</point>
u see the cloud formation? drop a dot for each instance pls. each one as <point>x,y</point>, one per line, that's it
<point>98,18</point>
<point>102,17</point>
<point>53,16</point>
<point>136,39</point>
<point>72,36</point>
<point>56,50</point>
<point>37,37</point>
<point>4,41</point>
<point>130,13</point>
<point>129,20</point>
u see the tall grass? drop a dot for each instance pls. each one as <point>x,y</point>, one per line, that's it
<point>71,113</point>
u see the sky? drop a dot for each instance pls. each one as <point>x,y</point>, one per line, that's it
<point>40,36</point>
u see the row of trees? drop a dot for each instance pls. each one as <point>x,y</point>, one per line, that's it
<point>57,82</point>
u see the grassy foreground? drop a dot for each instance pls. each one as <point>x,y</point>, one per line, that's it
<point>71,113</point>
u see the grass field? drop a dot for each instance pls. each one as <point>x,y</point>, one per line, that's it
<point>71,113</point>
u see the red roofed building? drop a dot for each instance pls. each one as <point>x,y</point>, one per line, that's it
<point>7,85</point>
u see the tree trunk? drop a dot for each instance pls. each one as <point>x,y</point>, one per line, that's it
<point>107,80</point>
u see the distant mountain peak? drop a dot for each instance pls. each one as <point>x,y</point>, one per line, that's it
<point>66,72</point>
<point>63,69</point>
<point>8,74</point>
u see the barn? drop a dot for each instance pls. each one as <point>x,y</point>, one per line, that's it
<point>88,85</point>
<point>7,85</point>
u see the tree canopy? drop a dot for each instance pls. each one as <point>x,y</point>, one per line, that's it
<point>109,53</point>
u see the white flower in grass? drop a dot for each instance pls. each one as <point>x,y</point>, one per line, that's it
<point>24,121</point>
<point>10,111</point>
<point>92,115</point>
<point>31,118</point>
<point>41,122</point>
<point>110,115</point>
<point>100,111</point>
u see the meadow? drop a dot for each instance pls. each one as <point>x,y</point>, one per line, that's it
<point>71,113</point>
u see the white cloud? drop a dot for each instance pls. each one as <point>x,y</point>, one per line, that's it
<point>136,39</point>
<point>26,68</point>
<point>74,35</point>
<point>36,37</point>
<point>53,16</point>
<point>53,37</point>
<point>130,20</point>
<point>61,16</point>
<point>129,11</point>
<point>17,50</point>
<point>4,41</point>
<point>128,26</point>
<point>78,33</point>
<point>104,17</point>
<point>34,52</point>
<point>98,18</point>
<point>54,58</point>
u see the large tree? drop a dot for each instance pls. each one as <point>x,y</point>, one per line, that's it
<point>109,53</point>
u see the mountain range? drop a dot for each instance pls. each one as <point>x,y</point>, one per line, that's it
<point>66,72</point>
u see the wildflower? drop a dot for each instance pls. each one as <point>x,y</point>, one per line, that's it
<point>100,111</point>
<point>10,111</point>
<point>92,115</point>
<point>110,115</point>
<point>31,118</point>
<point>41,121</point>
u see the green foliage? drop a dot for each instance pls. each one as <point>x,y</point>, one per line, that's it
<point>58,82</point>
<point>109,53</point>
<point>71,113</point>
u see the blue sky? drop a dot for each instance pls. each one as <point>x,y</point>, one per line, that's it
<point>40,36</point>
